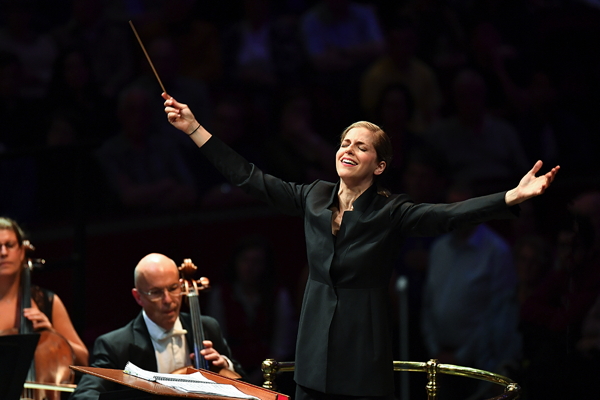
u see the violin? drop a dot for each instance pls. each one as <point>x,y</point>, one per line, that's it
<point>53,354</point>
<point>191,289</point>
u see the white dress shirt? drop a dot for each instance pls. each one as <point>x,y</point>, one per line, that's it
<point>170,347</point>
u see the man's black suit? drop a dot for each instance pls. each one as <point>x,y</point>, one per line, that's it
<point>133,343</point>
<point>344,344</point>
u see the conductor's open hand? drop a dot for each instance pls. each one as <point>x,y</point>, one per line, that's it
<point>179,114</point>
<point>531,185</point>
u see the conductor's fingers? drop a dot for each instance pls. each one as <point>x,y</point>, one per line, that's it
<point>536,167</point>
<point>165,96</point>
<point>173,116</point>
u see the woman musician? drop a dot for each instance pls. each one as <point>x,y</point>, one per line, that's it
<point>47,311</point>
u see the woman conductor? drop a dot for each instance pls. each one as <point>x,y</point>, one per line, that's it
<point>353,229</point>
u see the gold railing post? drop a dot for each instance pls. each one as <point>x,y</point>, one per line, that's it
<point>431,387</point>
<point>270,367</point>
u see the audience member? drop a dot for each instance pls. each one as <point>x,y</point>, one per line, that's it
<point>423,179</point>
<point>480,148</point>
<point>231,121</point>
<point>108,44</point>
<point>160,338</point>
<point>256,315</point>
<point>533,262</point>
<point>587,356</point>
<point>298,153</point>
<point>36,51</point>
<point>552,317</point>
<point>394,112</point>
<point>17,168</point>
<point>470,310</point>
<point>145,169</point>
<point>399,65</point>
<point>263,50</point>
<point>341,37</point>
<point>74,98</point>
<point>166,58</point>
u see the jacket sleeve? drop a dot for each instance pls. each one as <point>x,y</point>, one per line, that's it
<point>434,219</point>
<point>90,387</point>
<point>286,197</point>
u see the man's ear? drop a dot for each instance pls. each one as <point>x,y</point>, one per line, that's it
<point>136,295</point>
<point>380,168</point>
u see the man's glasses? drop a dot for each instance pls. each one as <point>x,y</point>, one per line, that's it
<point>157,294</point>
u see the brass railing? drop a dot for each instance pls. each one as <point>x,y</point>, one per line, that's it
<point>432,368</point>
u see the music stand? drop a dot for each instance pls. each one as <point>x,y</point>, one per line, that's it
<point>16,354</point>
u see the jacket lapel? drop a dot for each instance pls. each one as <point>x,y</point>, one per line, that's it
<point>141,351</point>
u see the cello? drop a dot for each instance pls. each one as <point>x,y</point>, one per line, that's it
<point>53,354</point>
<point>191,289</point>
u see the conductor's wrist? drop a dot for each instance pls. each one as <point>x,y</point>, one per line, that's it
<point>195,129</point>
<point>511,197</point>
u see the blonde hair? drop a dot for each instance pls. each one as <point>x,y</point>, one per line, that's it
<point>382,145</point>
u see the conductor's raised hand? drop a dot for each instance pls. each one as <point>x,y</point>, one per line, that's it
<point>179,114</point>
<point>531,185</point>
<point>182,118</point>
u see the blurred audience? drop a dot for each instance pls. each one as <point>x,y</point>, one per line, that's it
<point>470,310</point>
<point>400,65</point>
<point>256,315</point>
<point>342,38</point>
<point>145,168</point>
<point>106,43</point>
<point>479,147</point>
<point>552,316</point>
<point>298,152</point>
<point>79,112</point>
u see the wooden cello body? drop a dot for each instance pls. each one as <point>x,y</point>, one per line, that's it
<point>53,354</point>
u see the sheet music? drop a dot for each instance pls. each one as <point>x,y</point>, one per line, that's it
<point>192,383</point>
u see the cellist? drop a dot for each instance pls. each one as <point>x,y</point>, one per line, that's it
<point>47,311</point>
<point>160,337</point>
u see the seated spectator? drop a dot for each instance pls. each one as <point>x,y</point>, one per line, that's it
<point>470,312</point>
<point>146,170</point>
<point>479,147</point>
<point>342,38</point>
<point>553,315</point>
<point>255,314</point>
<point>400,65</point>
<point>107,43</point>
<point>533,261</point>
<point>263,50</point>
<point>75,98</point>
<point>299,153</point>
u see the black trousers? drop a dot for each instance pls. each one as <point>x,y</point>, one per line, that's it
<point>304,393</point>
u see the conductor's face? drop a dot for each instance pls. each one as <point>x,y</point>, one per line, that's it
<point>356,159</point>
<point>158,289</point>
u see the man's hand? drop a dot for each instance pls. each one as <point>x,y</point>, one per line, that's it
<point>531,185</point>
<point>211,355</point>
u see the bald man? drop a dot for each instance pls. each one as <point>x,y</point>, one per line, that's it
<point>160,337</point>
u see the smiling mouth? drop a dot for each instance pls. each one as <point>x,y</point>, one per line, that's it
<point>346,161</point>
